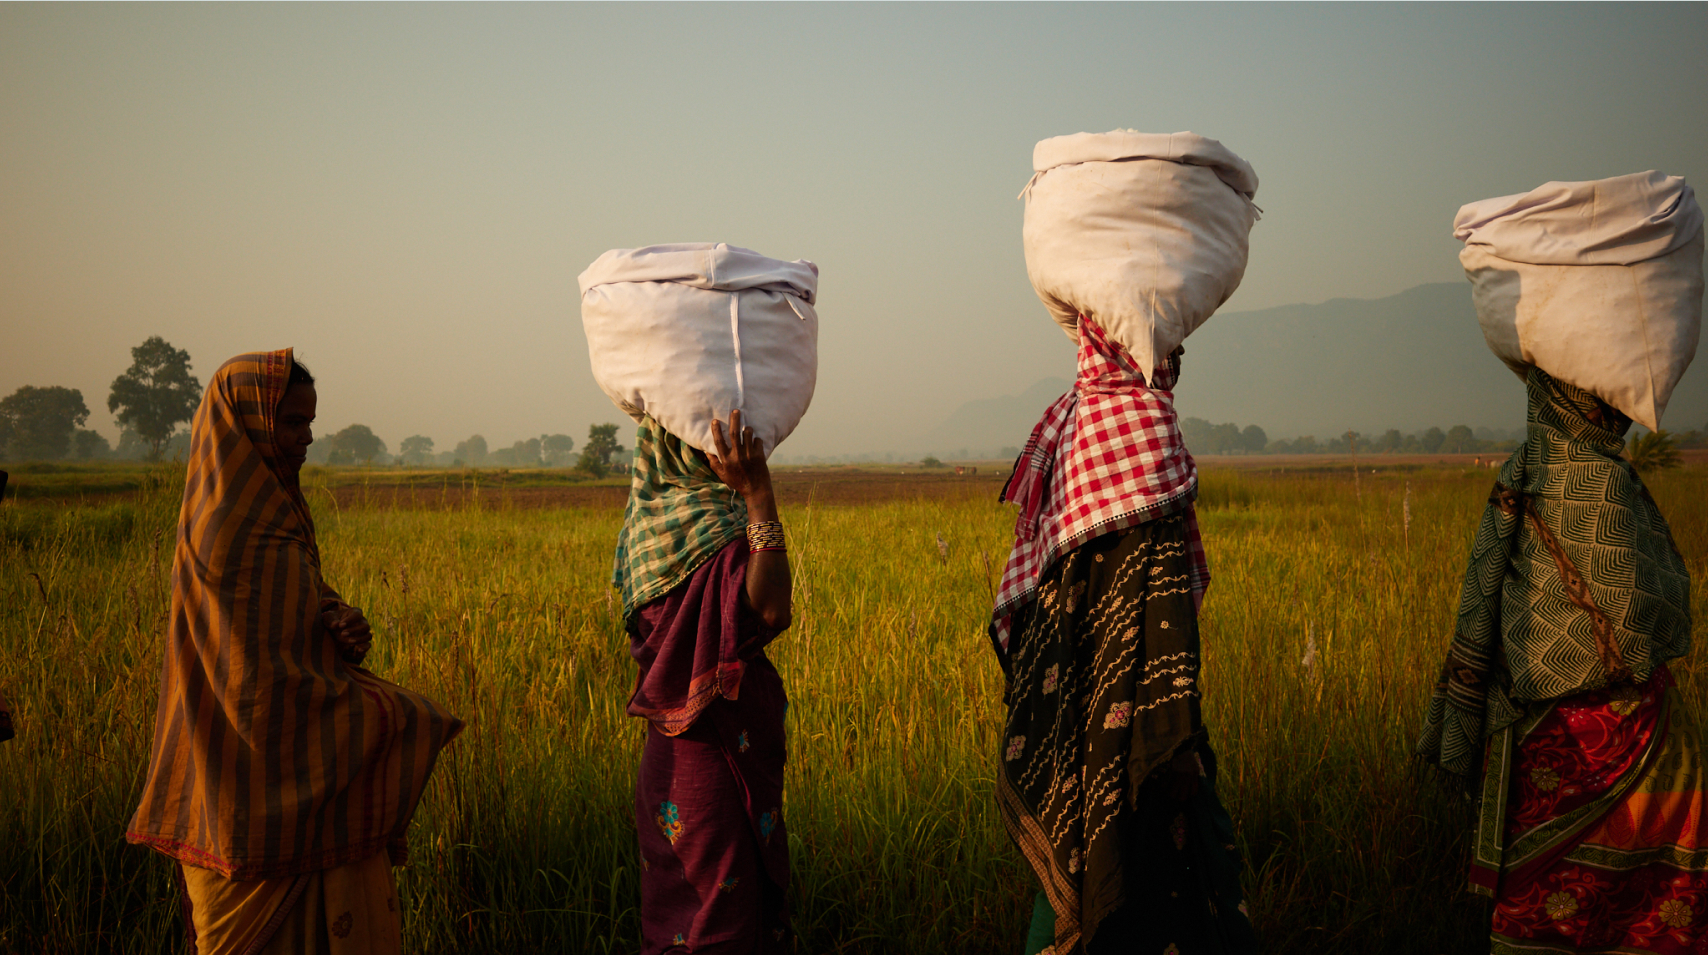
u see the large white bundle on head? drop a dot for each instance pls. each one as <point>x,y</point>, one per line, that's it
<point>1145,233</point>
<point>687,333</point>
<point>1597,283</point>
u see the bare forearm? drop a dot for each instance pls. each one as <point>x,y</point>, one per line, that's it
<point>740,463</point>
<point>769,586</point>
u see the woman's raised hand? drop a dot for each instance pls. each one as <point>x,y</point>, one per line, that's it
<point>740,463</point>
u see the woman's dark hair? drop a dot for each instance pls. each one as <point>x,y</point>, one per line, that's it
<point>299,374</point>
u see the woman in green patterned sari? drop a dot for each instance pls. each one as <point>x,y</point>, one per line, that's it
<point>1556,691</point>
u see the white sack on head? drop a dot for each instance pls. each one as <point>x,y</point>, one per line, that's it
<point>1145,233</point>
<point>1597,283</point>
<point>687,333</point>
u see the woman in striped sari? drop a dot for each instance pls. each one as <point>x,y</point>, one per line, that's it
<point>283,775</point>
<point>1556,690</point>
<point>705,582</point>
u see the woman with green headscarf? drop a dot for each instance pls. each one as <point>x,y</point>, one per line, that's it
<point>705,582</point>
<point>1556,689</point>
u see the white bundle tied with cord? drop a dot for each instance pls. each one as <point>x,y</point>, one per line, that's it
<point>1145,233</point>
<point>1597,283</point>
<point>687,333</point>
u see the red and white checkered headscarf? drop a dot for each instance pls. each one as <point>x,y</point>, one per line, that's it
<point>1106,456</point>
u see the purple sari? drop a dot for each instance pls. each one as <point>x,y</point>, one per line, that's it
<point>708,799</point>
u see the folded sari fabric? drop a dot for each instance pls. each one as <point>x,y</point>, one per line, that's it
<point>1102,697</point>
<point>709,793</point>
<point>1590,836</point>
<point>349,910</point>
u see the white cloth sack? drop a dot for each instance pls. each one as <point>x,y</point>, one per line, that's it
<point>686,333</point>
<point>1146,233</point>
<point>1597,283</point>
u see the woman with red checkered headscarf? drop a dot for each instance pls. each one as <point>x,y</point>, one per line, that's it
<point>1107,781</point>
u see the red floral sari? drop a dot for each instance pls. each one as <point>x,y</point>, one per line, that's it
<point>1591,835</point>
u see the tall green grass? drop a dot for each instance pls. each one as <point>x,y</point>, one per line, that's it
<point>525,841</point>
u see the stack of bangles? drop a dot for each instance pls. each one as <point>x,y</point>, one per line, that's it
<point>765,535</point>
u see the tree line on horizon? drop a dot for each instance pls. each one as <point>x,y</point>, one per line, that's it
<point>158,393</point>
<point>1202,437</point>
<point>359,445</point>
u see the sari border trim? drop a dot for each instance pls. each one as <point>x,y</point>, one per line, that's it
<point>1175,503</point>
<point>1492,860</point>
<point>1487,848</point>
<point>1624,860</point>
<point>293,895</point>
<point>722,680</point>
<point>255,871</point>
<point>1507,945</point>
<point>1034,844</point>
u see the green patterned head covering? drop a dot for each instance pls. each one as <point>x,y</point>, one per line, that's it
<point>679,514</point>
<point>1574,581</point>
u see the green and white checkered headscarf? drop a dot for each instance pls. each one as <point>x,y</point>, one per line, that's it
<point>679,515</point>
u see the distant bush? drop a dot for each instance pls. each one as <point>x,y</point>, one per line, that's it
<point>1653,452</point>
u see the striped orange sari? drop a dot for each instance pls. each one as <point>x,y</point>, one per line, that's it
<point>271,757</point>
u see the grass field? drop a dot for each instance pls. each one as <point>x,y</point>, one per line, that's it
<point>495,602</point>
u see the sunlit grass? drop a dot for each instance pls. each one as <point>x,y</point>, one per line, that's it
<point>525,840</point>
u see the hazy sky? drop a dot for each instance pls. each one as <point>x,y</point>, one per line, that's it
<point>406,193</point>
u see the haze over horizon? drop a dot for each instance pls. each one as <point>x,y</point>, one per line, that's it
<point>407,193</point>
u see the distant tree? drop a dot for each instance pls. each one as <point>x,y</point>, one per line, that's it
<point>1390,442</point>
<point>356,444</point>
<point>472,452</point>
<point>1009,452</point>
<point>131,446</point>
<point>1305,444</point>
<point>156,393</point>
<point>1459,440</point>
<point>416,449</point>
<point>1224,439</point>
<point>90,445</point>
<point>930,461</point>
<point>1431,440</point>
<point>37,424</point>
<point>1653,452</point>
<point>601,445</point>
<point>1197,433</point>
<point>177,447</point>
<point>527,452</point>
<point>1252,439</point>
<point>1411,445</point>
<point>555,448</point>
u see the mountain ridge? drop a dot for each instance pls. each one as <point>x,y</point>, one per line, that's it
<point>1412,361</point>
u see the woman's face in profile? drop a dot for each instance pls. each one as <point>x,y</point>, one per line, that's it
<point>293,427</point>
